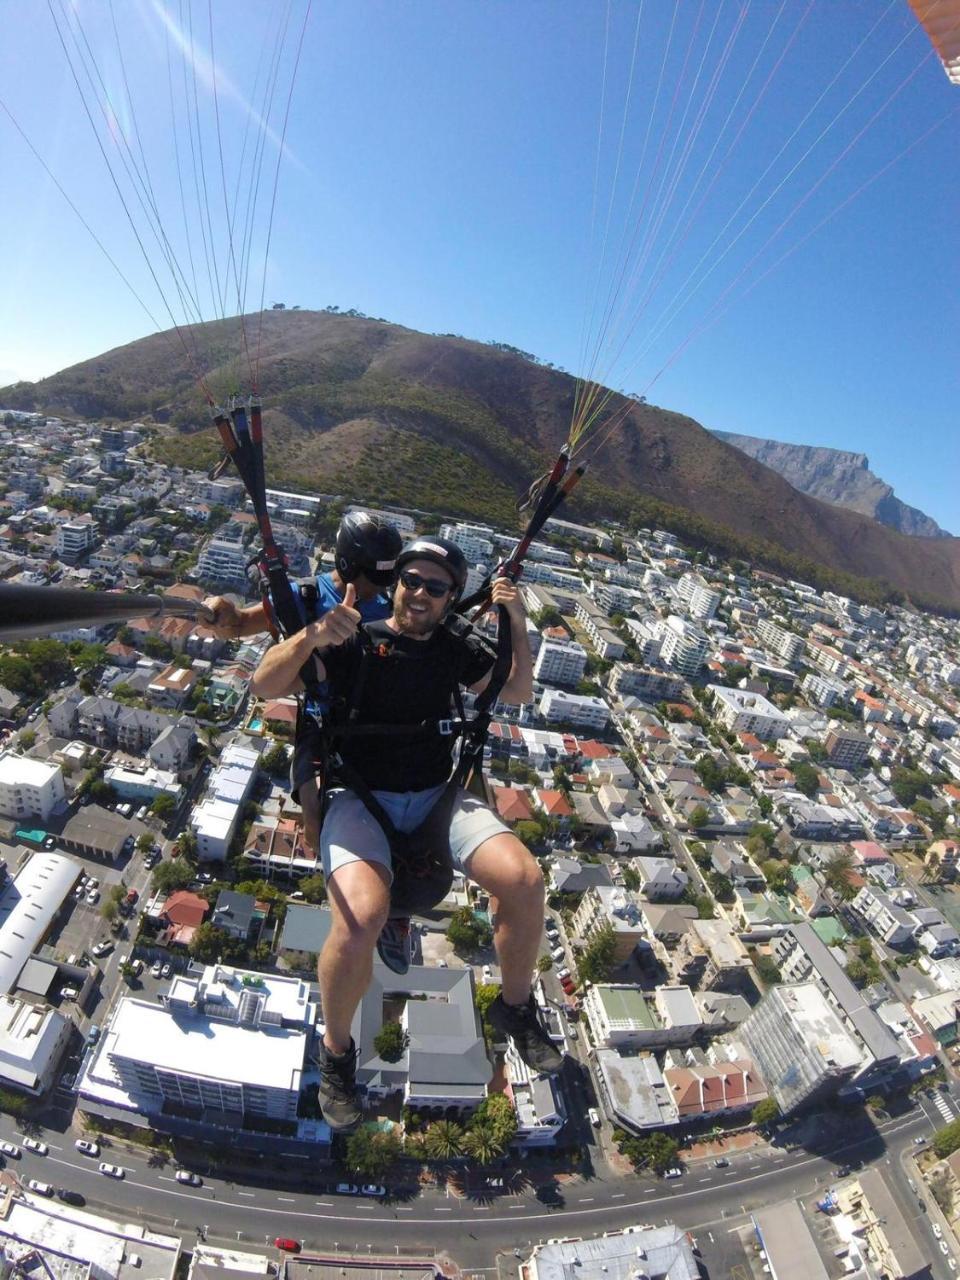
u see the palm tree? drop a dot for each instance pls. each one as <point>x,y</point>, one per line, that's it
<point>482,1143</point>
<point>443,1140</point>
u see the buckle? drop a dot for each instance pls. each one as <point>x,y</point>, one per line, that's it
<point>445,727</point>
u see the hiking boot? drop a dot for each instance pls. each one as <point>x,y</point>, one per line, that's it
<point>521,1022</point>
<point>394,946</point>
<point>338,1095</point>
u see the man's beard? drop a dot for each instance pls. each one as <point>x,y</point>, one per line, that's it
<point>414,624</point>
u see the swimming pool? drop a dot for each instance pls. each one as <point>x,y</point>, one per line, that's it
<point>255,725</point>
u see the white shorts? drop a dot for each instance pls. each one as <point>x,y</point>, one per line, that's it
<point>350,833</point>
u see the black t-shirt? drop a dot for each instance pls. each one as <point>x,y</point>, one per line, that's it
<point>407,681</point>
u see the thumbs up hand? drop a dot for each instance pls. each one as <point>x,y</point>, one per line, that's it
<point>340,623</point>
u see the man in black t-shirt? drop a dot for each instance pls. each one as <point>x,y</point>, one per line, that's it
<point>423,664</point>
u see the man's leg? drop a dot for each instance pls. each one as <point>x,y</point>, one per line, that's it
<point>510,874</point>
<point>359,896</point>
<point>309,797</point>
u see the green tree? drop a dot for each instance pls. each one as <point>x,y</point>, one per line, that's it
<point>767,968</point>
<point>765,1112</point>
<point>390,1042</point>
<point>721,886</point>
<point>481,1144</point>
<point>163,806</point>
<point>778,875</point>
<point>314,888</point>
<point>144,841</point>
<point>947,1139</point>
<point>631,879</point>
<point>372,1154</point>
<point>596,962</point>
<point>530,833</point>
<point>836,876</point>
<point>27,738</point>
<point>209,943</point>
<point>655,1151</point>
<point>275,760</point>
<point>806,778</point>
<point>466,933</point>
<point>699,817</point>
<point>815,750</point>
<point>497,1111</point>
<point>711,774</point>
<point>706,910</point>
<point>169,876</point>
<point>765,805</point>
<point>443,1140</point>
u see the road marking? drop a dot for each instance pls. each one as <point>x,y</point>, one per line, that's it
<point>401,1208</point>
<point>482,1208</point>
<point>325,1204</point>
<point>441,1209</point>
<point>288,1199</point>
<point>618,1195</point>
<point>249,1194</point>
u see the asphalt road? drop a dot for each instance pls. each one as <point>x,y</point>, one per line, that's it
<point>472,1229</point>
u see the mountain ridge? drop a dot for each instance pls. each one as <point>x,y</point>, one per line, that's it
<point>838,476</point>
<point>376,411</point>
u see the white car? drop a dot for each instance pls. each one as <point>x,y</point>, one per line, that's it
<point>93,897</point>
<point>563,973</point>
<point>487,973</point>
<point>558,953</point>
<point>373,1189</point>
<point>93,882</point>
<point>103,948</point>
<point>36,1146</point>
<point>87,1148</point>
<point>38,1187</point>
<point>935,1226</point>
<point>189,1179</point>
<point>675,1172</point>
<point>111,1170</point>
<point>347,1189</point>
<point>11,1150</point>
<point>69,993</point>
<point>157,969</point>
<point>594,1115</point>
<point>167,971</point>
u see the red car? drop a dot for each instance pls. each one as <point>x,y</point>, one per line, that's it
<point>289,1246</point>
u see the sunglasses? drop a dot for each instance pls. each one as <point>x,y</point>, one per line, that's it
<point>434,587</point>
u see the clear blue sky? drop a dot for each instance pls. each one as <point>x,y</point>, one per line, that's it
<point>446,167</point>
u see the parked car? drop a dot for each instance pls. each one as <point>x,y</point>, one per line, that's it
<point>563,973</point>
<point>87,1148</point>
<point>103,948</point>
<point>373,1189</point>
<point>722,1163</point>
<point>11,1150</point>
<point>70,1197</point>
<point>36,1146</point>
<point>92,897</point>
<point>167,971</point>
<point>38,1187</point>
<point>594,1115</point>
<point>137,966</point>
<point>288,1245</point>
<point>558,953</point>
<point>69,993</point>
<point>347,1189</point>
<point>675,1172</point>
<point>93,1033</point>
<point>487,973</point>
<point>156,969</point>
<point>189,1179</point>
<point>111,1170</point>
<point>131,897</point>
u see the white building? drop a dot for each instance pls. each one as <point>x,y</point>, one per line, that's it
<point>743,712</point>
<point>228,1047</point>
<point>142,783</point>
<point>574,708</point>
<point>665,1252</point>
<point>224,558</point>
<point>474,540</point>
<point>683,646</point>
<point>822,691</point>
<point>28,905</point>
<point>785,644</point>
<point>29,789</point>
<point>661,880</point>
<point>700,599</point>
<point>33,1039</point>
<point>560,662</point>
<point>214,820</point>
<point>625,1017</point>
<point>75,539</point>
<point>893,924</point>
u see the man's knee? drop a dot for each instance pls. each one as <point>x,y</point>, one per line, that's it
<point>359,895</point>
<point>506,868</point>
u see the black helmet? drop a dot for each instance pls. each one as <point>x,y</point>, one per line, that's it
<point>367,545</point>
<point>442,552</point>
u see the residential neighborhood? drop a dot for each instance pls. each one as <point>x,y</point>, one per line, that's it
<point>743,793</point>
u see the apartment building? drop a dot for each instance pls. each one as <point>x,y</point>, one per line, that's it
<point>822,691</point>
<point>798,1041</point>
<point>740,711</point>
<point>699,599</point>
<point>891,923</point>
<point>225,1050</point>
<point>683,647</point>
<point>75,539</point>
<point>602,637</point>
<point>474,540</point>
<point>628,680</point>
<point>223,561</point>
<point>560,662</point>
<point>29,789</point>
<point>847,748</point>
<point>785,644</point>
<point>606,905</point>
<point>624,1017</point>
<point>585,710</point>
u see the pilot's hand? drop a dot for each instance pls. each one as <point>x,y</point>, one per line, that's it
<point>339,623</point>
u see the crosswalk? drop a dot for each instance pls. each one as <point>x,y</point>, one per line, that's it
<point>940,1102</point>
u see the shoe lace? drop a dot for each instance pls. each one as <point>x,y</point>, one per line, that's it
<point>339,1075</point>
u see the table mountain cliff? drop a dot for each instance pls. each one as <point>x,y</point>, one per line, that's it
<point>837,476</point>
<point>378,412</point>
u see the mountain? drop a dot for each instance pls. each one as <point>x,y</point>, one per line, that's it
<point>834,475</point>
<point>372,410</point>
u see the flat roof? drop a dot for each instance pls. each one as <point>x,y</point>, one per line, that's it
<point>628,1004</point>
<point>661,1251</point>
<point>636,1089</point>
<point>24,771</point>
<point>788,1244</point>
<point>190,1044</point>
